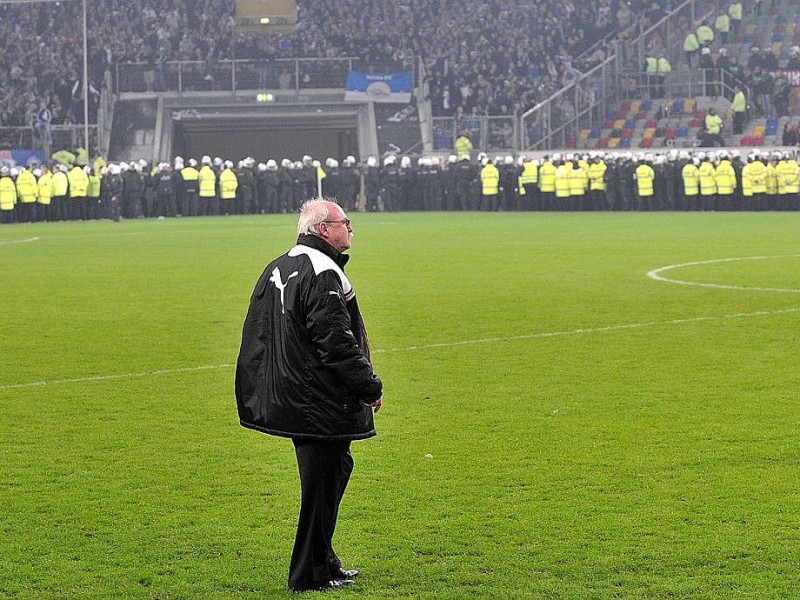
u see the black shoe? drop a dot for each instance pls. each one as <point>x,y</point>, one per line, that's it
<point>333,584</point>
<point>344,573</point>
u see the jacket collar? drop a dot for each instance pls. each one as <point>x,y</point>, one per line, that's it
<point>313,241</point>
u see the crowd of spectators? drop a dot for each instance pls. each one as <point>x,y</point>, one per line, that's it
<point>497,55</point>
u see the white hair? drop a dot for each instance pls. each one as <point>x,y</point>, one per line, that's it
<point>312,213</point>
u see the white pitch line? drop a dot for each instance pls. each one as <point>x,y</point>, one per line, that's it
<point>33,239</point>
<point>111,377</point>
<point>531,336</point>
<point>655,274</point>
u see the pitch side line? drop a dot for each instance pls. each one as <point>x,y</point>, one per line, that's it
<point>531,336</point>
<point>33,239</point>
<point>656,274</point>
<point>112,377</point>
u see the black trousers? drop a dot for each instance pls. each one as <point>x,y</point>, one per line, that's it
<point>325,469</point>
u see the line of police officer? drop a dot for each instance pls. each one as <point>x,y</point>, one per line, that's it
<point>675,180</point>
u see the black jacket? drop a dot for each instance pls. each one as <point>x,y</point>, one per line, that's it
<point>304,368</point>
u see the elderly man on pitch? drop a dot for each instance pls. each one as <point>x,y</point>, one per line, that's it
<point>304,372</point>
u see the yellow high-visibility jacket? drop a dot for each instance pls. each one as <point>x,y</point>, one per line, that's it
<point>8,193</point>
<point>547,177</point>
<point>691,180</point>
<point>227,185</point>
<point>27,189</point>
<point>45,185</point>
<point>490,180</point>
<point>645,176</point>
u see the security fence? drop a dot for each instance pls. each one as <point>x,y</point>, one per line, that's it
<point>234,75</point>
<point>486,133</point>
<point>63,136</point>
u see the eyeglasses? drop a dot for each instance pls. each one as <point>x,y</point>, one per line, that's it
<point>345,222</point>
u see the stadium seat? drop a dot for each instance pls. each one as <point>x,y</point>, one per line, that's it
<point>619,124</point>
<point>747,38</point>
<point>777,37</point>
<point>616,132</point>
<point>608,124</point>
<point>570,143</point>
<point>613,143</point>
<point>610,116</point>
<point>625,143</point>
<point>647,105</point>
<point>670,132</point>
<point>602,143</point>
<point>758,131</point>
<point>646,142</point>
<point>758,140</point>
<point>746,141</point>
<point>630,123</point>
<point>651,123</point>
<point>627,134</point>
<point>776,48</point>
<point>677,106</point>
<point>682,132</point>
<point>640,115</point>
<point>772,126</point>
<point>688,107</point>
<point>649,132</point>
<point>595,133</point>
<point>749,28</point>
<point>624,107</point>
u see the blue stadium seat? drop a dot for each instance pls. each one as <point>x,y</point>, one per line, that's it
<point>682,132</point>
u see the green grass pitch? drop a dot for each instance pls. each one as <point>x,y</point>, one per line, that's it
<point>593,432</point>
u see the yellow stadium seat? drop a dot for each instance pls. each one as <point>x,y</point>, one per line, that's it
<point>649,132</point>
<point>613,142</point>
<point>584,134</point>
<point>635,106</point>
<point>758,131</point>
<point>688,107</point>
<point>776,48</point>
<point>619,123</point>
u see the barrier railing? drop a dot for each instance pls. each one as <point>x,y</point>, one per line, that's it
<point>488,133</point>
<point>232,75</point>
<point>63,137</point>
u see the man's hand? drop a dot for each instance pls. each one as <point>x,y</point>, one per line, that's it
<point>376,406</point>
